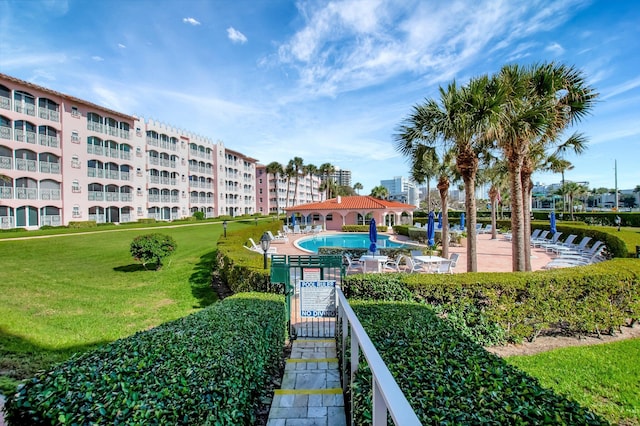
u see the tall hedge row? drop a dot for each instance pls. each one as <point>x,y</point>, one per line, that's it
<point>597,298</point>
<point>450,380</point>
<point>211,367</point>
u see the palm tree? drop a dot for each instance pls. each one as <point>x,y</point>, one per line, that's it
<point>572,190</point>
<point>274,168</point>
<point>326,170</point>
<point>424,165</point>
<point>542,100</point>
<point>297,163</point>
<point>461,119</point>
<point>380,192</point>
<point>496,173</point>
<point>358,187</point>
<point>288,173</point>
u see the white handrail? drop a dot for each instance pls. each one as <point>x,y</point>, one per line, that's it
<point>387,396</point>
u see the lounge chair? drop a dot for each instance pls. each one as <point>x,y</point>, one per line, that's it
<point>559,246</point>
<point>296,229</point>
<point>552,241</point>
<point>486,230</point>
<point>278,238</point>
<point>540,238</point>
<point>258,249</point>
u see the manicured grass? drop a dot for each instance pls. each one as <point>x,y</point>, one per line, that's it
<point>73,292</point>
<point>605,378</point>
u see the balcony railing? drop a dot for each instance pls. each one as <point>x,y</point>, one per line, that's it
<point>49,167</point>
<point>26,193</point>
<point>125,218</point>
<point>99,218</point>
<point>26,165</point>
<point>124,134</point>
<point>6,222</point>
<point>24,136</point>
<point>5,132</point>
<point>49,114</point>
<point>126,196</point>
<point>125,155</point>
<point>153,141</point>
<point>92,172</point>
<point>125,176</point>
<point>5,103</point>
<point>50,194</point>
<point>6,193</point>
<point>112,196</point>
<point>23,108</point>
<point>52,141</point>
<point>96,127</point>
<point>95,196</point>
<point>51,220</point>
<point>6,163</point>
<point>154,198</point>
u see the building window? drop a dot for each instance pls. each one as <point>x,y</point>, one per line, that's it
<point>76,211</point>
<point>75,137</point>
<point>75,186</point>
<point>74,112</point>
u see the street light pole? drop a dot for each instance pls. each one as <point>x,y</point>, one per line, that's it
<point>265,242</point>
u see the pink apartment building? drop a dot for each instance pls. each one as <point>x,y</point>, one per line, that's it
<point>272,192</point>
<point>65,159</point>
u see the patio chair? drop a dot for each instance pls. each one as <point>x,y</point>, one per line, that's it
<point>393,265</point>
<point>486,230</point>
<point>540,238</point>
<point>454,259</point>
<point>581,246</point>
<point>296,229</point>
<point>415,266</point>
<point>443,267</point>
<point>353,265</point>
<point>559,246</point>
<point>535,234</point>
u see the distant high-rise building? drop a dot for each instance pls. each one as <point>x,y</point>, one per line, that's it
<point>402,189</point>
<point>341,177</point>
<point>271,192</point>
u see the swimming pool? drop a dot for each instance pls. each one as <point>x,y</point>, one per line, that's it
<point>348,240</point>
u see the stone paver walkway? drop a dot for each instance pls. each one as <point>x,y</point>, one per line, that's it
<point>310,394</point>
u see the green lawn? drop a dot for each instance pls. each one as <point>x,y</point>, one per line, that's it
<point>605,378</point>
<point>69,293</point>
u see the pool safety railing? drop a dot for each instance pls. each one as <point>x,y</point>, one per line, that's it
<point>387,398</point>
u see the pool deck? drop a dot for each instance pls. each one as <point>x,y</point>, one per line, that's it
<point>492,255</point>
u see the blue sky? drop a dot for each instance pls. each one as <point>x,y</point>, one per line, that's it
<point>328,81</point>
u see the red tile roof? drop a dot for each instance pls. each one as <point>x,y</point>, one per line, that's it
<point>356,202</point>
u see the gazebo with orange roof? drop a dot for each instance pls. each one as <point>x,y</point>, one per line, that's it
<point>354,210</point>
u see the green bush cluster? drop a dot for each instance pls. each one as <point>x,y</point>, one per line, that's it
<point>152,248</point>
<point>211,367</point>
<point>597,298</point>
<point>83,224</point>
<point>448,379</point>
<point>242,269</point>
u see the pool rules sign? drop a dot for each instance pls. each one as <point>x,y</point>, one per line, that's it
<point>318,298</point>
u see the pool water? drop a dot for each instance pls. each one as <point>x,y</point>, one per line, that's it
<point>348,240</point>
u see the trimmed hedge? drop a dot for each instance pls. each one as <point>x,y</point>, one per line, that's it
<point>211,367</point>
<point>362,228</point>
<point>450,380</point>
<point>242,269</point>
<point>83,224</point>
<point>597,298</point>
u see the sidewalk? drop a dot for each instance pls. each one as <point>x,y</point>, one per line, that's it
<point>310,394</point>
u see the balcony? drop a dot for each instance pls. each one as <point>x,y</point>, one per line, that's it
<point>113,131</point>
<point>125,218</point>
<point>95,196</point>
<point>112,174</point>
<point>112,196</point>
<point>155,161</point>
<point>154,198</point>
<point>99,218</point>
<point>96,127</point>
<point>26,193</point>
<point>23,136</point>
<point>26,165</point>
<point>52,141</point>
<point>23,108</point>
<point>125,155</point>
<point>5,132</point>
<point>50,220</point>
<point>6,222</point>
<point>125,176</point>
<point>49,114</point>
<point>6,193</point>
<point>49,167</point>
<point>6,163</point>
<point>97,173</point>
<point>126,196</point>
<point>50,194</point>
<point>124,134</point>
<point>153,141</point>
<point>5,103</point>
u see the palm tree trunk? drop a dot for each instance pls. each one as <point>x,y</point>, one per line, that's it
<point>493,196</point>
<point>443,187</point>
<point>527,187</point>
<point>470,201</point>
<point>517,217</point>
<point>275,177</point>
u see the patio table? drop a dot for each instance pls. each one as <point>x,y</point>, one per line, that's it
<point>373,263</point>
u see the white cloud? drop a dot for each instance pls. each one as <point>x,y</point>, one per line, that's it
<point>191,21</point>
<point>122,46</point>
<point>97,58</point>
<point>554,48</point>
<point>621,88</point>
<point>236,36</point>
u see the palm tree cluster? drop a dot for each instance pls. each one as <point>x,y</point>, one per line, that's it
<point>512,120</point>
<point>295,169</point>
